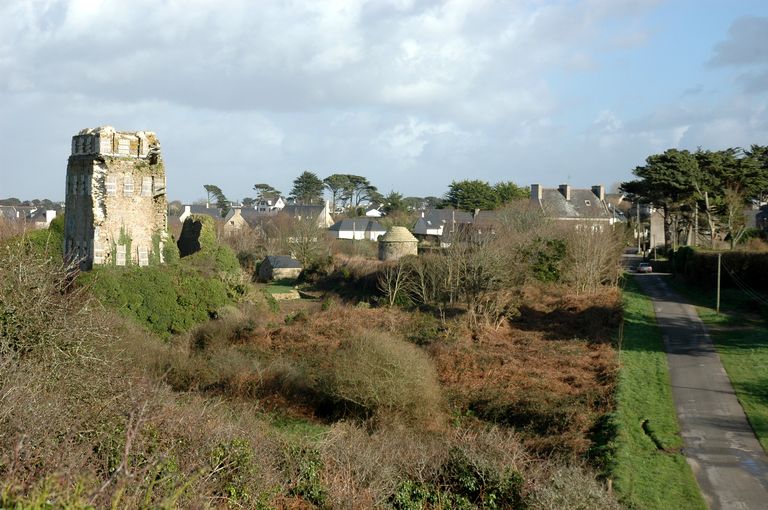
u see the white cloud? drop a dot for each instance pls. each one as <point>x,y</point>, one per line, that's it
<point>409,93</point>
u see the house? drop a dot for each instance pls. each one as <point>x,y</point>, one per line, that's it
<point>270,205</point>
<point>374,212</point>
<point>436,222</point>
<point>578,206</point>
<point>41,218</point>
<point>279,267</point>
<point>357,228</point>
<point>320,213</point>
<point>201,209</point>
<point>115,198</point>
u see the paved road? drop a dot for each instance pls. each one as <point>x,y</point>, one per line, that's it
<point>719,444</point>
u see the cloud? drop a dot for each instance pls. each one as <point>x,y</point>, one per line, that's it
<point>412,94</point>
<point>746,48</point>
<point>747,44</point>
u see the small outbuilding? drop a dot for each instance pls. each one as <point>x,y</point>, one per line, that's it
<point>279,267</point>
<point>397,242</point>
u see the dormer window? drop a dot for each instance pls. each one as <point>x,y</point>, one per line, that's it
<point>587,203</point>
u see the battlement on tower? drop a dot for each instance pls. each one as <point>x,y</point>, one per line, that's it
<point>106,141</point>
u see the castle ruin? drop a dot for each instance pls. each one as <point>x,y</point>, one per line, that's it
<point>116,207</point>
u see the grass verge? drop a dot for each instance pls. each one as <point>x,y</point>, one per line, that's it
<point>741,338</point>
<point>647,467</point>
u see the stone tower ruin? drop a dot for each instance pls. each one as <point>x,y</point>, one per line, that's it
<point>397,243</point>
<point>116,208</point>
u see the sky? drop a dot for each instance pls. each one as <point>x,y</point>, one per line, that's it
<point>411,94</point>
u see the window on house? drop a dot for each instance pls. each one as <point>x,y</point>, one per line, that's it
<point>128,185</point>
<point>120,255</point>
<point>143,256</point>
<point>146,186</point>
<point>111,185</point>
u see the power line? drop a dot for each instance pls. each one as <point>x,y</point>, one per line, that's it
<point>749,291</point>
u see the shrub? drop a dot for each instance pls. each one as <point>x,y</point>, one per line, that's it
<point>377,373</point>
<point>165,299</point>
<point>571,487</point>
<point>39,308</point>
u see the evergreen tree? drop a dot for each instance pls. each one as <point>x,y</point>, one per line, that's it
<point>308,189</point>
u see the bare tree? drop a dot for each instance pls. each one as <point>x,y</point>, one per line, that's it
<point>593,256</point>
<point>393,281</point>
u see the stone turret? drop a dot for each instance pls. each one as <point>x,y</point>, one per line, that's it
<point>116,208</point>
<point>397,242</point>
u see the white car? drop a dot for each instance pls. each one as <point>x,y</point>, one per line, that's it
<point>644,267</point>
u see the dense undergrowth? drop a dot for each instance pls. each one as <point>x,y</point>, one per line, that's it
<point>343,407</point>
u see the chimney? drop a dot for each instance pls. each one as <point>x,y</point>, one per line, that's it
<point>187,210</point>
<point>536,192</point>
<point>599,191</point>
<point>565,190</point>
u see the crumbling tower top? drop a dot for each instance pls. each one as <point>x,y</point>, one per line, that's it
<point>106,141</point>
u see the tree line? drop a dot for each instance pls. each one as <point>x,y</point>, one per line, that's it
<point>702,192</point>
<point>351,192</point>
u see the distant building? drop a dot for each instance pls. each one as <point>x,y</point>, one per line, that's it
<point>357,228</point>
<point>398,242</point>
<point>279,267</point>
<point>438,222</point>
<point>580,206</point>
<point>116,209</point>
<point>321,214</point>
<point>270,205</point>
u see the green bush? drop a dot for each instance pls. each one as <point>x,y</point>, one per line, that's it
<point>463,483</point>
<point>165,299</point>
<point>46,242</point>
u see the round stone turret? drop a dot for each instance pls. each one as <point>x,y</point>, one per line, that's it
<point>397,242</point>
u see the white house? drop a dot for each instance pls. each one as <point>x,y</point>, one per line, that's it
<point>357,228</point>
<point>436,222</point>
<point>270,205</point>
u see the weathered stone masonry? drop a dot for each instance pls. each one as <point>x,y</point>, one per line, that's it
<point>116,207</point>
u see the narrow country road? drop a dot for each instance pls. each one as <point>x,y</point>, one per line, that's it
<point>719,444</point>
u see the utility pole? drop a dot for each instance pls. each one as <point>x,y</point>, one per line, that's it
<point>638,227</point>
<point>717,306</point>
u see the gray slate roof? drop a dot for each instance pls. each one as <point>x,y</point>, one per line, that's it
<point>282,262</point>
<point>583,204</point>
<point>305,211</point>
<point>201,209</point>
<point>436,217</point>
<point>358,225</point>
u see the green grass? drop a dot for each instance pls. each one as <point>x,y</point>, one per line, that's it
<point>741,338</point>
<point>280,286</point>
<point>647,468</point>
<point>297,427</point>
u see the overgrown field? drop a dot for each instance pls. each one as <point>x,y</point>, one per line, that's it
<point>645,460</point>
<point>337,404</point>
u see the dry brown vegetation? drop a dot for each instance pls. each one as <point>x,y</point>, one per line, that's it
<point>343,407</point>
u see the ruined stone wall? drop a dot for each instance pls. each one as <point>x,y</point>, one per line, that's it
<point>397,249</point>
<point>116,207</point>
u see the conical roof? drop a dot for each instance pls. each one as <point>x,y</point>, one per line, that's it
<point>398,235</point>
